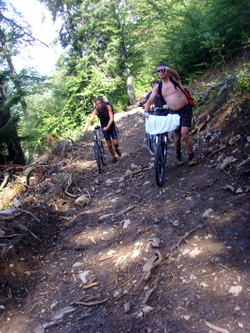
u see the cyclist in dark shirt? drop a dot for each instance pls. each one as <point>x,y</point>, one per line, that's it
<point>105,113</point>
<point>158,101</point>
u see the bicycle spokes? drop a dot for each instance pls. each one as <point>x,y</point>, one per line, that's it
<point>160,159</point>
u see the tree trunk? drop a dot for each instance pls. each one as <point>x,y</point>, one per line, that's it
<point>127,74</point>
<point>11,139</point>
<point>130,90</point>
<point>18,88</point>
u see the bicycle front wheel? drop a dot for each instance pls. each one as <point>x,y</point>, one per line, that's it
<point>97,156</point>
<point>159,163</point>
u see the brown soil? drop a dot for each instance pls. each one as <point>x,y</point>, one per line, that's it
<point>80,269</point>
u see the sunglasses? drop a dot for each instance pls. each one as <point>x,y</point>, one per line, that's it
<point>161,70</point>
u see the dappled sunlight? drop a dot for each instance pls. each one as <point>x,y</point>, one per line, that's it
<point>134,244</point>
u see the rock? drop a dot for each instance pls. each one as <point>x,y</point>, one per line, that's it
<point>109,182</point>
<point>147,309</point>
<point>16,203</point>
<point>234,139</point>
<point>83,276</point>
<point>39,329</point>
<point>103,217</point>
<point>77,264</point>
<point>126,307</point>
<point>126,223</point>
<point>61,313</point>
<point>239,190</point>
<point>97,181</point>
<point>133,167</point>
<point>204,285</point>
<point>227,161</point>
<point>207,212</point>
<point>54,304</point>
<point>83,200</point>
<point>230,187</point>
<point>121,180</point>
<point>235,290</point>
<point>195,252</point>
<point>176,223</point>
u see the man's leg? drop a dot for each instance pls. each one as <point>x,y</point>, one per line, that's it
<point>116,144</point>
<point>187,140</point>
<point>107,136</point>
<point>189,145</point>
<point>177,143</point>
<point>111,149</point>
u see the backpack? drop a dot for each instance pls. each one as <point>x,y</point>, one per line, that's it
<point>107,103</point>
<point>184,90</point>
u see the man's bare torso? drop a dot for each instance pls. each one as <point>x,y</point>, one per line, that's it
<point>175,98</point>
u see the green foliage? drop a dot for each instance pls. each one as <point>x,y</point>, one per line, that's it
<point>107,39</point>
<point>243,81</point>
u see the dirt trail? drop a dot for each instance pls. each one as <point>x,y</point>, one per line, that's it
<point>137,258</point>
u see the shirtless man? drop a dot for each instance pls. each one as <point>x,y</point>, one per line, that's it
<point>178,104</point>
<point>159,104</point>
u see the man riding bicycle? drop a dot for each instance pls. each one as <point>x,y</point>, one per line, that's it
<point>161,107</point>
<point>178,104</point>
<point>105,113</point>
<point>159,101</point>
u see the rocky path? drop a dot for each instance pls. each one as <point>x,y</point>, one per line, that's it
<point>133,257</point>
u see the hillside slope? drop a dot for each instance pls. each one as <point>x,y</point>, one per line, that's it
<point>71,268</point>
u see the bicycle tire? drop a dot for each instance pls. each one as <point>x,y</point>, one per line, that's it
<point>159,163</point>
<point>151,144</point>
<point>97,156</point>
<point>103,155</point>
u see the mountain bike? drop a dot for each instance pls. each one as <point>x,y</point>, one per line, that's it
<point>98,149</point>
<point>149,138</point>
<point>160,126</point>
<point>160,157</point>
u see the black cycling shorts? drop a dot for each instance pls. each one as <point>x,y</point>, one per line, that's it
<point>185,116</point>
<point>111,132</point>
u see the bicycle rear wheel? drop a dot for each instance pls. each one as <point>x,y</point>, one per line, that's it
<point>159,163</point>
<point>97,156</point>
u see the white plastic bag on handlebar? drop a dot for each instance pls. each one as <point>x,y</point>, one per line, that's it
<point>162,124</point>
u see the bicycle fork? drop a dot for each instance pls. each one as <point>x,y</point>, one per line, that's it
<point>164,139</point>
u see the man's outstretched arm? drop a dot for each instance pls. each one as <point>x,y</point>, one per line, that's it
<point>88,122</point>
